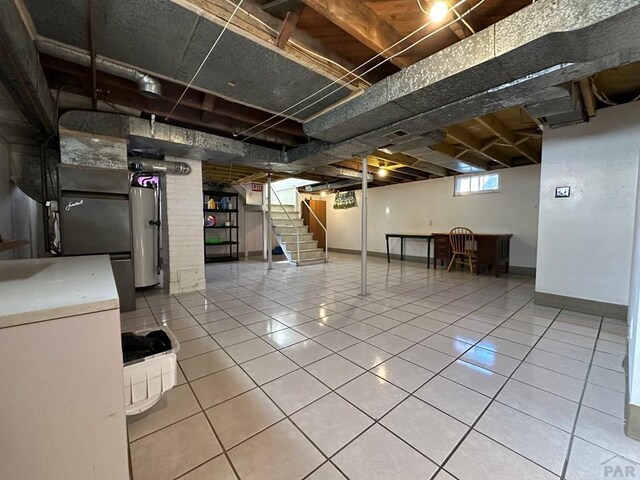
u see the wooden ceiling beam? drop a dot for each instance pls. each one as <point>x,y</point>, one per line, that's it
<point>462,155</point>
<point>253,21</point>
<point>588,97</point>
<point>392,174</point>
<point>473,143</point>
<point>500,130</point>
<point>252,178</point>
<point>415,163</point>
<point>288,26</point>
<point>365,25</point>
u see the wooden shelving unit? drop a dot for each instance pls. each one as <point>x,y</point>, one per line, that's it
<point>228,234</point>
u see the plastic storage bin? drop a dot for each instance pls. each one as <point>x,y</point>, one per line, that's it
<point>145,380</point>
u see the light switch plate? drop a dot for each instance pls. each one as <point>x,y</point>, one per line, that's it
<point>563,192</point>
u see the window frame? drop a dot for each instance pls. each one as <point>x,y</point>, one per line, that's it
<point>457,179</point>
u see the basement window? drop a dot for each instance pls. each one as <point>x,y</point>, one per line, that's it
<point>479,183</point>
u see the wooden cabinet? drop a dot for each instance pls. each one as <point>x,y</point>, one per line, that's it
<point>492,251</point>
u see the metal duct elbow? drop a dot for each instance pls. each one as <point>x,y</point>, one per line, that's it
<point>156,166</point>
<point>147,85</point>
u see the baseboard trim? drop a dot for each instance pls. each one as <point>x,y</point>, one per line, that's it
<point>631,411</point>
<point>394,256</point>
<point>581,305</point>
<point>515,270</point>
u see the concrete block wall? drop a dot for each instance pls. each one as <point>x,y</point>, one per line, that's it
<point>182,216</point>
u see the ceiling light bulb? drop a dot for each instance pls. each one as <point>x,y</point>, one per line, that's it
<point>382,172</point>
<point>323,193</point>
<point>439,11</point>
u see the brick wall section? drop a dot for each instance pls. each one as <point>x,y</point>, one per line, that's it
<point>182,215</point>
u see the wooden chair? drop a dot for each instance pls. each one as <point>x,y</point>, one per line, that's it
<point>463,247</point>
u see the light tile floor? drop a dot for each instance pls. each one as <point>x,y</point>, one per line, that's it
<point>289,374</point>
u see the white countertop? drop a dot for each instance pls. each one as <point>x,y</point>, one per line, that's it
<point>48,288</point>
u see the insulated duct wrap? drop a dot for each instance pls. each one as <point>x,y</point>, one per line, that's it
<point>155,166</point>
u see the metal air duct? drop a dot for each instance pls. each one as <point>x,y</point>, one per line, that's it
<point>331,185</point>
<point>156,166</point>
<point>147,85</point>
<point>565,109</point>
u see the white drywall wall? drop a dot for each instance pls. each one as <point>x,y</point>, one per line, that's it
<point>430,206</point>
<point>585,241</point>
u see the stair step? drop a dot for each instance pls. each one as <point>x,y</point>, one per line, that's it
<point>312,261</point>
<point>307,254</point>
<point>304,237</point>
<point>293,246</point>
<point>280,231</point>
<point>285,222</point>
<point>283,208</point>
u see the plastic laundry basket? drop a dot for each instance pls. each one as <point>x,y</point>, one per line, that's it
<point>145,380</point>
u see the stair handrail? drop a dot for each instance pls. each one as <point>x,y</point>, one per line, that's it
<point>292,224</point>
<point>326,233</point>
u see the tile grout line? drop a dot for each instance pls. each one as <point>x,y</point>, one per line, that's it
<point>414,343</point>
<point>477,420</point>
<point>286,417</point>
<point>565,465</point>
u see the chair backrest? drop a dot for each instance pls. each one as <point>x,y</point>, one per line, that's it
<point>462,240</point>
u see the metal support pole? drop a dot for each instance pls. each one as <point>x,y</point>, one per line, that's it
<point>363,228</point>
<point>265,225</point>
<point>270,225</point>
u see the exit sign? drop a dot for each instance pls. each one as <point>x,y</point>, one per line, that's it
<point>256,187</point>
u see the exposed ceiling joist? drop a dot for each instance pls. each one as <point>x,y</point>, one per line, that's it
<point>499,129</point>
<point>390,173</point>
<point>288,26</point>
<point>451,151</point>
<point>588,97</point>
<point>252,178</point>
<point>412,162</point>
<point>255,21</point>
<point>360,21</point>
<point>470,141</point>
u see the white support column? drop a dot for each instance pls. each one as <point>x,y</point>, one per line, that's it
<point>265,226</point>
<point>633,320</point>
<point>269,225</point>
<point>363,228</point>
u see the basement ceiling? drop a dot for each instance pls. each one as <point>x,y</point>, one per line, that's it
<point>249,75</point>
<point>171,41</point>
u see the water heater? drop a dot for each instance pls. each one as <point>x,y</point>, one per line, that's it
<point>144,219</point>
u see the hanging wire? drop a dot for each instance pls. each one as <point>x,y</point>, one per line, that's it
<point>279,114</point>
<point>205,59</point>
<point>364,73</point>
<point>599,95</point>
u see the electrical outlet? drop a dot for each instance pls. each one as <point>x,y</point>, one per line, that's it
<point>563,192</point>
